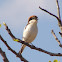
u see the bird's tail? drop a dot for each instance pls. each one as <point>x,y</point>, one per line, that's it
<point>22,48</point>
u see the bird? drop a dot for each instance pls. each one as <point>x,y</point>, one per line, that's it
<point>30,31</point>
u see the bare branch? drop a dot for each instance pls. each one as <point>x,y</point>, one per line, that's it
<point>40,49</point>
<point>33,47</point>
<point>56,38</point>
<point>50,14</point>
<point>4,56</point>
<point>58,13</point>
<point>20,56</point>
<point>59,20</point>
<point>58,9</point>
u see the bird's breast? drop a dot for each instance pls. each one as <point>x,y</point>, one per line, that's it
<point>30,33</point>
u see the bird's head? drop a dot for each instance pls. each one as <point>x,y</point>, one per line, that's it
<point>32,18</point>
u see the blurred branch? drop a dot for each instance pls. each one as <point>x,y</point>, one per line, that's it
<point>32,46</point>
<point>56,38</point>
<point>60,33</point>
<point>4,56</point>
<point>20,56</point>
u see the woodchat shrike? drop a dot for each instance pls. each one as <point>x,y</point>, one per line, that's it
<point>30,31</point>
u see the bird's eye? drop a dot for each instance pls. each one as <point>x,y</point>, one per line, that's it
<point>30,18</point>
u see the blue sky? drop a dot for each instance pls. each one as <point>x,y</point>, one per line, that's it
<point>16,13</point>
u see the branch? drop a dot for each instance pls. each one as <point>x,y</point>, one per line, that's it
<point>60,33</point>
<point>20,56</point>
<point>4,56</point>
<point>40,49</point>
<point>56,38</point>
<point>59,20</point>
<point>58,12</point>
<point>32,46</point>
<point>58,9</point>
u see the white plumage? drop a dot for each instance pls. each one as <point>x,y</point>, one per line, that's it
<point>30,31</point>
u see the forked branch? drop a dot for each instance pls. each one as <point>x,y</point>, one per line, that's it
<point>59,20</point>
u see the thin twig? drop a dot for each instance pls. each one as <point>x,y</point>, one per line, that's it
<point>58,13</point>
<point>20,56</point>
<point>60,33</point>
<point>58,9</point>
<point>56,38</point>
<point>4,56</point>
<point>33,47</point>
<point>59,20</point>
